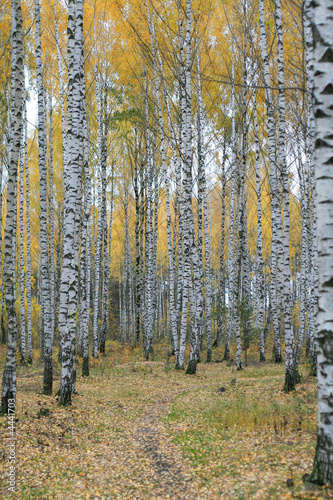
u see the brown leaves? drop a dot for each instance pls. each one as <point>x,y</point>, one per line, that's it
<point>136,430</point>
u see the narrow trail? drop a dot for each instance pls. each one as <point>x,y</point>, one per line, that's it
<point>173,476</point>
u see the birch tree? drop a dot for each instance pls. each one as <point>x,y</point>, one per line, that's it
<point>276,214</point>
<point>323,92</point>
<point>17,83</point>
<point>22,266</point>
<point>46,290</point>
<point>259,291</point>
<point>69,277</point>
<point>28,238</point>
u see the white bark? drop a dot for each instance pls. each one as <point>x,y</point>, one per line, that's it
<point>28,232</point>
<point>149,260</point>
<point>17,81</point>
<point>323,92</point>
<point>310,167</point>
<point>47,334</point>
<point>69,277</point>
<point>172,325</point>
<point>290,361</point>
<point>259,300</point>
<point>22,272</point>
<point>231,270</point>
<point>86,251</point>
<point>51,221</point>
<point>98,251</point>
<point>275,195</point>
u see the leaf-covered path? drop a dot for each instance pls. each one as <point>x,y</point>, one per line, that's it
<point>173,477</point>
<point>141,430</point>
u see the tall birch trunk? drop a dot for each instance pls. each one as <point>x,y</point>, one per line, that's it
<point>221,277</point>
<point>231,270</point>
<point>309,144</point>
<point>323,92</point>
<point>149,245</point>
<point>48,334</point>
<point>68,288</point>
<point>51,221</point>
<point>203,210</point>
<point>259,298</point>
<point>22,272</point>
<point>98,253</point>
<point>172,325</point>
<point>105,274</point>
<point>190,247</point>
<point>275,195</point>
<point>17,81</point>
<point>86,250</point>
<point>28,238</point>
<point>290,361</point>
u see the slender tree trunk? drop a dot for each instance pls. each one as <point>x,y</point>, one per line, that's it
<point>69,277</point>
<point>17,82</point>
<point>231,270</point>
<point>172,325</point>
<point>310,164</point>
<point>48,334</point>
<point>259,291</point>
<point>104,271</point>
<point>99,246</point>
<point>51,221</point>
<point>28,238</point>
<point>290,361</point>
<point>221,296</point>
<point>275,195</point>
<point>22,266</point>
<point>190,247</point>
<point>86,250</point>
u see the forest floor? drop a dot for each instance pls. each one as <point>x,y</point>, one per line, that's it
<point>141,429</point>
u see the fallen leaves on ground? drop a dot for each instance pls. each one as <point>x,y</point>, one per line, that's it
<point>144,430</point>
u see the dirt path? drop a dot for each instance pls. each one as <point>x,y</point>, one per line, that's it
<point>174,477</point>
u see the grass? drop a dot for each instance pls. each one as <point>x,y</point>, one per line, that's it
<point>243,443</point>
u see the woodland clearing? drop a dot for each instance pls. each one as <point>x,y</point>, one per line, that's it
<point>144,430</point>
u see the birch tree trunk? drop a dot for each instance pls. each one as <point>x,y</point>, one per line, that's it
<point>184,268</point>
<point>275,195</point>
<point>203,209</point>
<point>190,247</point>
<point>231,271</point>
<point>61,95</point>
<point>149,265</point>
<point>105,274</point>
<point>46,291</point>
<point>51,221</point>
<point>98,254</point>
<point>22,273</point>
<point>323,92</point>
<point>221,295</point>
<point>312,224</point>
<point>17,81</point>
<point>172,325</point>
<point>138,289</point>
<point>28,237</point>
<point>69,277</point>
<point>85,252</point>
<point>259,298</point>
<point>291,376</point>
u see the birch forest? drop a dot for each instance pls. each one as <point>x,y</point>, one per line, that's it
<point>166,249</point>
